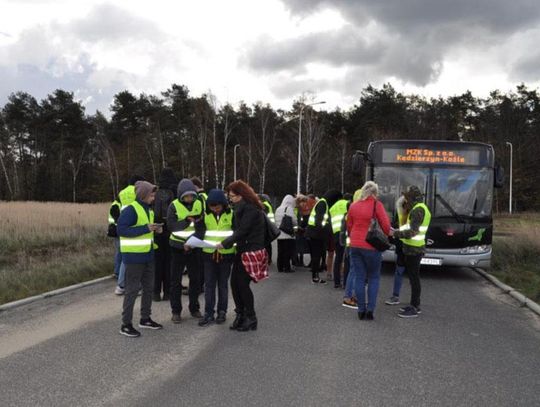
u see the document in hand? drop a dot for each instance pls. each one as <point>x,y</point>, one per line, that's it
<point>195,242</point>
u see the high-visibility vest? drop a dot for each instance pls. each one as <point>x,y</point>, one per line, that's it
<point>311,221</point>
<point>419,239</point>
<point>218,230</point>
<point>182,213</point>
<point>127,196</point>
<point>270,213</point>
<point>143,243</point>
<point>203,196</point>
<point>337,213</point>
<point>111,219</point>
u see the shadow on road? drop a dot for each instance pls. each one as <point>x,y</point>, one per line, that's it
<point>438,273</point>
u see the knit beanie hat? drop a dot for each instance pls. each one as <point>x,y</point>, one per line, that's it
<point>186,187</point>
<point>216,197</point>
<point>143,189</point>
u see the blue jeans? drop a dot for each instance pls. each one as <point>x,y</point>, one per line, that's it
<point>366,263</point>
<point>216,274</point>
<point>349,283</point>
<point>398,280</point>
<point>117,257</point>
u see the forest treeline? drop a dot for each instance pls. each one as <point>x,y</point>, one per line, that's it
<point>51,150</point>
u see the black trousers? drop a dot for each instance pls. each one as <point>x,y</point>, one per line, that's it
<point>318,249</point>
<point>181,260</point>
<point>412,266</point>
<point>338,260</point>
<point>285,253</point>
<point>162,258</point>
<point>241,291</point>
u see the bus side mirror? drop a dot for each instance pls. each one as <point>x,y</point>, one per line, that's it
<point>358,163</point>
<point>498,179</point>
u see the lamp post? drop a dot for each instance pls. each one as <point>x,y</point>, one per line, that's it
<point>234,160</point>
<point>510,202</point>
<point>300,142</point>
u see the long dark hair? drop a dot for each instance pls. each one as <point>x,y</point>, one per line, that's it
<point>247,193</point>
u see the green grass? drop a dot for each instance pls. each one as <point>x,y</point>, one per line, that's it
<point>516,256</point>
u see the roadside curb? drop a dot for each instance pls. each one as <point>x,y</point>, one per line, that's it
<point>24,301</point>
<point>524,301</point>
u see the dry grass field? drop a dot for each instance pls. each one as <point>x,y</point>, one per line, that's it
<point>516,252</point>
<point>46,245</point>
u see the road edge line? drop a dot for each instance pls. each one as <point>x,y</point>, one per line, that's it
<point>524,301</point>
<point>48,294</point>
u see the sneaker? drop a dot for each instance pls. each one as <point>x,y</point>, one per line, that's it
<point>176,318</point>
<point>418,310</point>
<point>207,320</point>
<point>221,317</point>
<point>119,290</point>
<point>318,281</point>
<point>408,312</point>
<point>350,303</point>
<point>149,324</point>
<point>128,330</point>
<point>393,300</point>
<point>196,314</point>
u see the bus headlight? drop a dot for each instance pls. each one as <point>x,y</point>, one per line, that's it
<point>475,249</point>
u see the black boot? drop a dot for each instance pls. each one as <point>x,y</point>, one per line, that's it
<point>249,323</point>
<point>237,321</point>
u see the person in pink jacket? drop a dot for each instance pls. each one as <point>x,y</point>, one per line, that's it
<point>365,260</point>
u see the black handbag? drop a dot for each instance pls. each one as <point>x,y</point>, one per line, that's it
<point>375,236</point>
<point>286,224</point>
<point>271,230</point>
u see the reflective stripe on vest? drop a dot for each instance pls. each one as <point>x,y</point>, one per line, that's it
<point>311,221</point>
<point>127,196</point>
<point>270,213</point>
<point>143,243</point>
<point>182,213</point>
<point>337,213</point>
<point>217,231</point>
<point>419,239</point>
<point>111,219</point>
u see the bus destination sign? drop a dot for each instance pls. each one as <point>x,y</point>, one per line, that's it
<point>430,156</point>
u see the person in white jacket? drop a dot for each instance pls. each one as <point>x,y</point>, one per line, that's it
<point>286,240</point>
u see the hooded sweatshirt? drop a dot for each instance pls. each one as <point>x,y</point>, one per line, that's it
<point>286,208</point>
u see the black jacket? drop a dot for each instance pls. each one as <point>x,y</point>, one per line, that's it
<point>248,228</point>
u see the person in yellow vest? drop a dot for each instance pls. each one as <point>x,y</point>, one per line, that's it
<point>218,218</point>
<point>337,214</point>
<point>269,210</point>
<point>184,219</point>
<point>413,237</point>
<point>399,220</point>
<point>318,231</point>
<point>126,196</point>
<point>114,214</point>
<point>136,229</point>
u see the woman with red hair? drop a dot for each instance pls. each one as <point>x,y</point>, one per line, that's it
<point>251,259</point>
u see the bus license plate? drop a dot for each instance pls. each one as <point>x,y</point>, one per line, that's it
<point>431,262</point>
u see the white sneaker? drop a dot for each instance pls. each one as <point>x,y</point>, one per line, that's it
<point>119,290</point>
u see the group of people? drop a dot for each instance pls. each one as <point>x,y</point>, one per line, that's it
<point>152,226</point>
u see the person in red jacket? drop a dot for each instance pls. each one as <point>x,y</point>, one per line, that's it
<point>365,260</point>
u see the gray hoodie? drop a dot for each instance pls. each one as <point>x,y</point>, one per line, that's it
<point>186,187</point>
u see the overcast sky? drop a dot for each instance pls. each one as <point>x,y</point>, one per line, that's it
<point>267,50</point>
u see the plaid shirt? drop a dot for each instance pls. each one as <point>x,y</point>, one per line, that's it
<point>256,264</point>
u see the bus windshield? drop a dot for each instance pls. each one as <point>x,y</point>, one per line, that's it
<point>462,192</point>
<point>392,181</point>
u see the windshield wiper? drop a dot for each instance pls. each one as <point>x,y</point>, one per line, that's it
<point>450,209</point>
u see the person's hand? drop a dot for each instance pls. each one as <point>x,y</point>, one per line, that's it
<point>191,218</point>
<point>187,248</point>
<point>392,230</point>
<point>153,227</point>
<point>219,246</point>
<point>159,229</point>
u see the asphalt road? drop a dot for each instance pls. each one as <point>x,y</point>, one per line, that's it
<point>472,346</point>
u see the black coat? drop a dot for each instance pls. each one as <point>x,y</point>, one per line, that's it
<point>248,228</point>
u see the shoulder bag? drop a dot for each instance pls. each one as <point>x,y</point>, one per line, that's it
<point>375,236</point>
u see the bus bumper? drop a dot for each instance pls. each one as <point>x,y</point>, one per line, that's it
<point>449,257</point>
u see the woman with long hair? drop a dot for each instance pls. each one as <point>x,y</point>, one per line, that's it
<point>251,259</point>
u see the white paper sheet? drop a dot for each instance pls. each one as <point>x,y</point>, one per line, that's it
<point>195,242</point>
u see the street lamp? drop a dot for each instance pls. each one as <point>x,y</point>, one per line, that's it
<point>234,160</point>
<point>510,202</point>
<point>300,142</point>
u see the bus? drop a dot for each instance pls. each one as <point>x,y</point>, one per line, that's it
<point>457,179</point>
